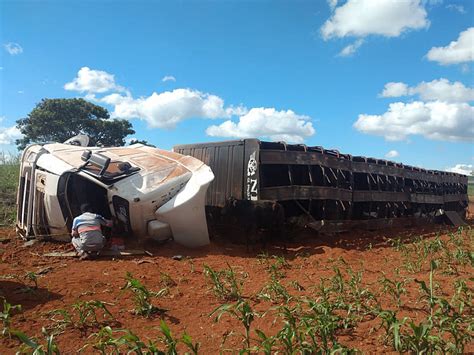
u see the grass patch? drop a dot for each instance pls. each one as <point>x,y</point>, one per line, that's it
<point>8,184</point>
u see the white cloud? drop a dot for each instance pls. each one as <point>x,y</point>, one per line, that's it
<point>465,169</point>
<point>351,48</point>
<point>332,4</point>
<point>266,123</point>
<point>93,81</point>
<point>440,89</point>
<point>459,51</point>
<point>166,109</point>
<point>394,90</point>
<point>434,120</point>
<point>458,8</point>
<point>387,18</point>
<point>8,135</point>
<point>168,78</point>
<point>13,48</point>
<point>20,92</point>
<point>392,154</point>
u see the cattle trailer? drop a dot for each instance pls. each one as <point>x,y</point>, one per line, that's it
<point>326,185</point>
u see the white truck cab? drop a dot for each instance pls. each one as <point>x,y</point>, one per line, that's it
<point>153,193</point>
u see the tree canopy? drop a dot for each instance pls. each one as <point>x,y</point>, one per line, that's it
<point>56,120</point>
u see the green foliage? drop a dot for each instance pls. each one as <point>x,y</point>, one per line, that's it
<point>240,310</point>
<point>6,314</point>
<point>56,120</point>
<point>31,276</point>
<point>274,291</point>
<point>31,346</point>
<point>142,296</point>
<point>394,288</point>
<point>121,341</point>
<point>83,315</point>
<point>141,141</point>
<point>9,171</point>
<point>225,283</point>
<point>86,312</point>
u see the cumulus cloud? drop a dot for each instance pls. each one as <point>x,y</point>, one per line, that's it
<point>168,78</point>
<point>392,154</point>
<point>456,52</point>
<point>465,169</point>
<point>266,123</point>
<point>332,4</point>
<point>440,89</point>
<point>433,120</point>
<point>389,18</point>
<point>394,90</point>
<point>13,48</point>
<point>93,81</point>
<point>166,109</point>
<point>351,48</point>
<point>8,135</point>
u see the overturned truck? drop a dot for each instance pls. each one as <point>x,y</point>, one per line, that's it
<point>331,189</point>
<point>152,193</point>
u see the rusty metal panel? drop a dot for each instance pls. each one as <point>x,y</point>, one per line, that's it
<point>226,159</point>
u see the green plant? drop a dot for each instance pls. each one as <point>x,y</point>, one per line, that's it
<point>166,280</point>
<point>428,291</point>
<point>6,314</point>
<point>266,343</point>
<point>274,291</point>
<point>394,288</point>
<point>142,296</point>
<point>240,310</point>
<point>392,326</point>
<point>168,339</point>
<point>49,348</point>
<point>32,277</point>
<point>107,343</point>
<point>225,283</point>
<point>63,322</point>
<point>188,341</point>
<point>86,311</point>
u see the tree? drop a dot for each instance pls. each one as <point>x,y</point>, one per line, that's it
<point>141,141</point>
<point>56,120</point>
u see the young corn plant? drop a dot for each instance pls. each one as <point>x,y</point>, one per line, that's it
<point>142,296</point>
<point>428,293</point>
<point>275,292</point>
<point>107,343</point>
<point>225,283</point>
<point>166,280</point>
<point>86,313</point>
<point>62,319</point>
<point>266,344</point>
<point>392,326</point>
<point>394,288</point>
<point>321,320</point>
<point>32,346</point>
<point>6,315</point>
<point>31,276</point>
<point>240,310</point>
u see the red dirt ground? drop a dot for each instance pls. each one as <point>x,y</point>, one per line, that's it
<point>190,302</point>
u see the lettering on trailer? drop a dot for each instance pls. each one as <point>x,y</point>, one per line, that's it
<point>252,178</point>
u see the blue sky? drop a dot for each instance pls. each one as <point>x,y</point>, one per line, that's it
<point>304,71</point>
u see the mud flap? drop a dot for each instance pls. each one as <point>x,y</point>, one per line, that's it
<point>453,218</point>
